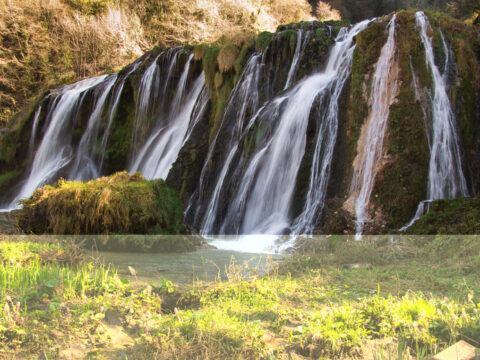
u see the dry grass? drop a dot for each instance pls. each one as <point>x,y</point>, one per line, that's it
<point>44,43</point>
<point>226,57</point>
<point>121,204</point>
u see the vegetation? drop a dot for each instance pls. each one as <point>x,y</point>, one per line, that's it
<point>401,183</point>
<point>400,301</point>
<point>47,43</point>
<point>121,204</point>
<point>457,216</point>
<point>357,10</point>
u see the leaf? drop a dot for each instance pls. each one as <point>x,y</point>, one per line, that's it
<point>54,306</point>
<point>51,283</point>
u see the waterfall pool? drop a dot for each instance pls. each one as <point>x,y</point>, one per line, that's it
<point>187,268</point>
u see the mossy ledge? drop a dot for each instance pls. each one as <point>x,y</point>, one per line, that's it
<point>457,216</point>
<point>118,204</point>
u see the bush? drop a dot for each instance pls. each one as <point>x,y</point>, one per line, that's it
<point>121,204</point>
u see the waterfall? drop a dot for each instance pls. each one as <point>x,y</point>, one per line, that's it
<point>445,174</point>
<point>370,144</point>
<point>153,98</point>
<point>244,99</point>
<point>167,109</point>
<point>340,66</point>
<point>263,191</point>
<point>299,49</point>
<point>161,149</point>
<point>55,151</point>
<point>84,164</point>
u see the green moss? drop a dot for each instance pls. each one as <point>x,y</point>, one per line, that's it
<point>7,179</point>
<point>218,96</point>
<point>199,50</point>
<point>121,204</point>
<point>263,40</point>
<point>401,183</point>
<point>467,98</point>
<point>320,32</point>
<point>458,216</point>
<point>156,50</point>
<point>241,60</point>
<point>118,148</point>
<point>14,143</point>
<point>210,66</point>
<point>292,36</point>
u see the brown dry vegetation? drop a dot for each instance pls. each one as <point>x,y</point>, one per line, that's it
<point>121,204</point>
<point>44,43</point>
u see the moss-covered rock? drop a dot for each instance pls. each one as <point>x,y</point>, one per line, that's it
<point>119,204</point>
<point>457,216</point>
<point>402,182</point>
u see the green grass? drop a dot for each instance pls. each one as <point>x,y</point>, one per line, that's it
<point>413,300</point>
<point>457,216</point>
<point>120,204</point>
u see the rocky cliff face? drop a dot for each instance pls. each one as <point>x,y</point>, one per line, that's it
<point>268,124</point>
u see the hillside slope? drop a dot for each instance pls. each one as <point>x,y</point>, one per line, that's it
<point>50,42</point>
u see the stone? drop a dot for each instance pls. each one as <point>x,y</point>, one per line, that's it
<point>459,351</point>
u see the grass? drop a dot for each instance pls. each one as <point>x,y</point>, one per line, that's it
<point>457,216</point>
<point>413,300</point>
<point>118,204</point>
<point>47,43</point>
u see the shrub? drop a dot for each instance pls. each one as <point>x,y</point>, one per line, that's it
<point>117,204</point>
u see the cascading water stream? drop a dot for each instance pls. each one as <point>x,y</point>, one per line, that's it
<point>169,126</point>
<point>33,134</point>
<point>326,135</point>
<point>299,49</point>
<point>445,175</point>
<point>84,164</point>
<point>261,204</point>
<point>271,175</point>
<point>161,150</point>
<point>370,143</point>
<point>55,150</point>
<point>152,96</point>
<point>57,155</point>
<point>246,96</point>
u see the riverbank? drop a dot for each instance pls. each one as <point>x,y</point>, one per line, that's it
<point>349,300</point>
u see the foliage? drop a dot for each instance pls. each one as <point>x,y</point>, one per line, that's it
<point>117,204</point>
<point>226,57</point>
<point>321,310</point>
<point>47,43</point>
<point>457,216</point>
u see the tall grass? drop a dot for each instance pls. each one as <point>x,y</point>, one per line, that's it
<point>44,43</point>
<point>25,275</point>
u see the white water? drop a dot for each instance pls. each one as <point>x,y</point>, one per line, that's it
<point>151,97</point>
<point>245,96</point>
<point>340,67</point>
<point>160,151</point>
<point>299,50</point>
<point>262,202</point>
<point>84,164</point>
<point>55,150</point>
<point>370,144</point>
<point>445,174</point>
